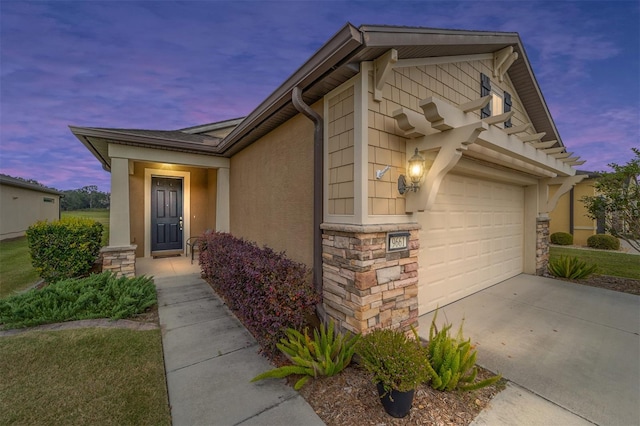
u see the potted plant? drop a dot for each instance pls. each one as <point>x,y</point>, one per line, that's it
<point>398,366</point>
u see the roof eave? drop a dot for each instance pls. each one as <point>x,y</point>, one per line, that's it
<point>342,45</point>
<point>84,134</point>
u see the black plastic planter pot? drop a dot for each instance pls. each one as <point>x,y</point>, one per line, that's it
<point>396,403</point>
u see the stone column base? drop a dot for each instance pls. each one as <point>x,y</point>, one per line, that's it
<point>365,286</point>
<point>542,245</point>
<point>120,260</point>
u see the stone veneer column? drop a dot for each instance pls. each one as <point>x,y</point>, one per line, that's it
<point>119,260</point>
<point>542,245</point>
<point>365,286</point>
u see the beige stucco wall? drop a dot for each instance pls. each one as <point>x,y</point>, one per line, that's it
<point>456,83</point>
<point>271,189</point>
<point>21,207</point>
<point>202,206</point>
<point>583,226</point>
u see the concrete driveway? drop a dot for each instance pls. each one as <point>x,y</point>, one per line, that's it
<point>573,345</point>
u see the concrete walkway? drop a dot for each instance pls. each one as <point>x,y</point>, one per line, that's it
<point>210,357</point>
<point>572,352</point>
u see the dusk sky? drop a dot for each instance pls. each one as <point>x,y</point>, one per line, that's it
<point>169,65</point>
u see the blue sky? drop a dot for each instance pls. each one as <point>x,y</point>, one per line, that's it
<point>169,65</point>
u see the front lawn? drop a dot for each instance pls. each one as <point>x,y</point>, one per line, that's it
<point>16,272</point>
<point>609,262</point>
<point>84,377</point>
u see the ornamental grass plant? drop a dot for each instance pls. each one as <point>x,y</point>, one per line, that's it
<point>327,354</point>
<point>452,360</point>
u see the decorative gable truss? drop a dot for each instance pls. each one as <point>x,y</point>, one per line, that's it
<point>449,130</point>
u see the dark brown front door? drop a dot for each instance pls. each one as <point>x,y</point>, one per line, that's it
<point>166,214</point>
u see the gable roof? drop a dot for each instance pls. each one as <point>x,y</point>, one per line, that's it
<point>11,181</point>
<point>337,61</point>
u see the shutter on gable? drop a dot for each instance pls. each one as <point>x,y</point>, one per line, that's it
<point>485,89</point>
<point>507,108</point>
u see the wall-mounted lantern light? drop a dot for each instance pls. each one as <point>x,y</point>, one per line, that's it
<point>415,172</point>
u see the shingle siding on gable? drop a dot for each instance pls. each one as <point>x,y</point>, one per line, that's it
<point>341,152</point>
<point>456,83</point>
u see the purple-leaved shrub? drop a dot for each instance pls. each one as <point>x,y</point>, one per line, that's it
<point>268,291</point>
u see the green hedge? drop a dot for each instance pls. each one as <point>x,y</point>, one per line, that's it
<point>65,248</point>
<point>604,242</point>
<point>97,296</point>
<point>561,238</point>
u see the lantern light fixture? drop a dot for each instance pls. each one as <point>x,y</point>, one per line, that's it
<point>415,171</point>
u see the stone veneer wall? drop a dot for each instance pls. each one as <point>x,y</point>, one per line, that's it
<point>364,286</point>
<point>542,245</point>
<point>119,260</point>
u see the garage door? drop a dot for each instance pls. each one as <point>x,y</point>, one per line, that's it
<point>471,239</point>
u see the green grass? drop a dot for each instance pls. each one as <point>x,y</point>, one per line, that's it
<point>609,263</point>
<point>83,377</point>
<point>99,215</point>
<point>16,272</point>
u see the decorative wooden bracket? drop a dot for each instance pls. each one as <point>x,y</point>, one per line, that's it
<point>495,119</point>
<point>553,150</point>
<point>533,138</point>
<point>382,68</point>
<point>566,183</point>
<point>517,129</point>
<point>562,155</point>
<point>542,145</point>
<point>575,162</point>
<point>412,123</point>
<point>476,105</point>
<point>451,143</point>
<point>502,60</point>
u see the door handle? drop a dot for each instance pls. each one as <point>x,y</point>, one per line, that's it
<point>181,223</point>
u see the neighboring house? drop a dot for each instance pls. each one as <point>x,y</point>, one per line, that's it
<point>321,181</point>
<point>23,203</point>
<point>570,214</point>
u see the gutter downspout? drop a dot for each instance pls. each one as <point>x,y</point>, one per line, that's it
<point>571,212</point>
<point>318,166</point>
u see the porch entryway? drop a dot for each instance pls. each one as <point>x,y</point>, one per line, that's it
<point>167,217</point>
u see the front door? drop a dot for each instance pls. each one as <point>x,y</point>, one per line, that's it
<point>166,214</point>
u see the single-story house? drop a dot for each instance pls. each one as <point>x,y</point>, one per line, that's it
<point>409,167</point>
<point>570,214</point>
<point>23,203</point>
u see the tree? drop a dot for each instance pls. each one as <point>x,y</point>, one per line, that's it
<point>87,197</point>
<point>617,201</point>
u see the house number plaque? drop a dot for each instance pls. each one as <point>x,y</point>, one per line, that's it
<point>397,241</point>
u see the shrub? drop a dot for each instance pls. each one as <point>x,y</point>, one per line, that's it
<point>97,296</point>
<point>570,267</point>
<point>268,291</point>
<point>452,361</point>
<point>604,242</point>
<point>326,355</point>
<point>396,361</point>
<point>561,238</point>
<point>64,248</point>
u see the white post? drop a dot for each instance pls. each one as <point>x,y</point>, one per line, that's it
<point>119,232</point>
<point>222,201</point>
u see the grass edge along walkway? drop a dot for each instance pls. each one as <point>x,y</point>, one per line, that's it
<point>84,376</point>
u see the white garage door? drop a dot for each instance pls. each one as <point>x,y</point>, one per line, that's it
<point>471,239</point>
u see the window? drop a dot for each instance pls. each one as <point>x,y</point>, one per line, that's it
<point>497,103</point>
<point>49,200</point>
<point>500,100</point>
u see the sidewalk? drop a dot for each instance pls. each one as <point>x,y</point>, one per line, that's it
<point>210,357</point>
